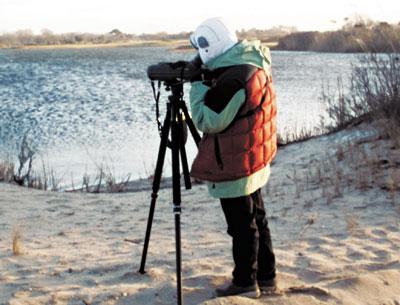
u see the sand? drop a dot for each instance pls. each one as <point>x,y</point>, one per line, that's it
<point>333,205</point>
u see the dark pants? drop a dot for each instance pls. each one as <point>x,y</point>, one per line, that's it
<point>251,240</point>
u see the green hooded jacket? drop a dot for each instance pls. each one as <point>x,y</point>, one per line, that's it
<point>206,120</point>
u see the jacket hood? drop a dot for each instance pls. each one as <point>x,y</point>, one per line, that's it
<point>244,52</point>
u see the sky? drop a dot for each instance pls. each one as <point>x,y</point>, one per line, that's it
<point>173,16</point>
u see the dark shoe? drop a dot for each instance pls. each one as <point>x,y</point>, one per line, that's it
<point>251,291</point>
<point>267,285</point>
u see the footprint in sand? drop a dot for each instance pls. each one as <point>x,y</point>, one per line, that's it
<point>393,229</point>
<point>380,233</point>
<point>317,292</point>
<point>380,255</point>
<point>354,255</point>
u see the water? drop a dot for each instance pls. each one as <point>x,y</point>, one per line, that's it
<point>81,108</point>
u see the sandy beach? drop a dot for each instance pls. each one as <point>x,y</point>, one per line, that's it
<point>333,204</point>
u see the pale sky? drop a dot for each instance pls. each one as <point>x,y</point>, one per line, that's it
<point>150,16</point>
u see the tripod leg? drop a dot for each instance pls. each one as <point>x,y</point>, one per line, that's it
<point>185,167</point>
<point>175,136</point>
<point>189,122</point>
<point>178,255</point>
<point>156,184</point>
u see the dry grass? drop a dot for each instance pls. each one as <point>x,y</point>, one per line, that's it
<point>393,184</point>
<point>6,171</point>
<point>339,153</point>
<point>352,224</point>
<point>16,241</point>
<point>46,178</point>
<point>105,181</point>
<point>368,162</point>
<point>298,136</point>
<point>360,165</point>
<point>374,95</point>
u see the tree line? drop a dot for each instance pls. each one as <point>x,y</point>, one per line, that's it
<point>355,36</point>
<point>362,36</point>
<point>48,38</point>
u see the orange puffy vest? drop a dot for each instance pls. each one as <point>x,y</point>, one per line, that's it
<point>248,144</point>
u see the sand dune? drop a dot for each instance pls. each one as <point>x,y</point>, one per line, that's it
<point>336,236</point>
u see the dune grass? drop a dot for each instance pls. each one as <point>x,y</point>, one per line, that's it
<point>374,95</point>
<point>16,241</point>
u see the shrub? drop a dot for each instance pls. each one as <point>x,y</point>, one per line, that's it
<point>371,37</point>
<point>374,94</point>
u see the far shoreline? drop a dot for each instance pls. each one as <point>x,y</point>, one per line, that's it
<point>176,45</point>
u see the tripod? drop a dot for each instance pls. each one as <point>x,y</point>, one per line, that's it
<point>176,113</point>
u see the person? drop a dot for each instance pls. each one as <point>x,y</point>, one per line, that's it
<point>235,109</point>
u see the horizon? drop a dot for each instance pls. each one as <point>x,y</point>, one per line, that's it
<point>174,17</point>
